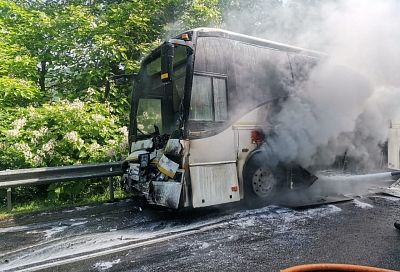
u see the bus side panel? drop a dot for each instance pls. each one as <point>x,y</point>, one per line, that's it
<point>231,146</point>
<point>254,75</point>
<point>214,149</point>
<point>214,184</point>
<point>213,174</point>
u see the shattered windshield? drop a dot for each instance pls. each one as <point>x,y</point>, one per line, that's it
<point>158,104</point>
<point>149,115</point>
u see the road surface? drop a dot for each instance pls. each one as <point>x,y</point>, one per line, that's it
<point>123,236</point>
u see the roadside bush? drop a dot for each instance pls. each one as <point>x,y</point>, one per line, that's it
<point>60,133</point>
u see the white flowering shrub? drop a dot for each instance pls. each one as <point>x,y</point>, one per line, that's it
<point>61,133</point>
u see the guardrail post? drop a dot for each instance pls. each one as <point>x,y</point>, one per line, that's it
<point>111,188</point>
<point>9,203</point>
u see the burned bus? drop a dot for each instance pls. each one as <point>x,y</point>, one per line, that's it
<point>199,117</point>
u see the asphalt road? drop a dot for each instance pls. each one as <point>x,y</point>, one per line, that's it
<point>224,239</point>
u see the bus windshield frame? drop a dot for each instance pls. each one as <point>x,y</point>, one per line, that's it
<point>157,107</point>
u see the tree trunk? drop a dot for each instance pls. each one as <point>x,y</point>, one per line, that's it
<point>42,76</point>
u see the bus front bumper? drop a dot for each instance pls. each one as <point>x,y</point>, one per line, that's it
<point>165,193</point>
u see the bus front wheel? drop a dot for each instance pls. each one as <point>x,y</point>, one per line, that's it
<point>261,182</point>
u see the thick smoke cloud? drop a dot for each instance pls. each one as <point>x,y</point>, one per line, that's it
<point>348,100</point>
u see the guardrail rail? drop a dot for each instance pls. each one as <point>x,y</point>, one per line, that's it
<point>47,175</point>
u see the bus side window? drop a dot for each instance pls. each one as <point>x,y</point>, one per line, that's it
<point>201,100</point>
<point>220,104</point>
<point>208,101</point>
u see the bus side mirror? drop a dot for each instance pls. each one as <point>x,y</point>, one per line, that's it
<point>167,56</point>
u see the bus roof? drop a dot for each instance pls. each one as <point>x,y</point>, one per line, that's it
<point>215,32</point>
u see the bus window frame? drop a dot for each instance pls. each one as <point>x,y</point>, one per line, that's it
<point>206,125</point>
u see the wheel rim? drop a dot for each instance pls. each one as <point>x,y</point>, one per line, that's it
<point>263,182</point>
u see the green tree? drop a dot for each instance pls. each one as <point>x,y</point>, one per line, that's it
<point>55,58</point>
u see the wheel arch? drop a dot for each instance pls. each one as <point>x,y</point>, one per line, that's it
<point>248,158</point>
<point>245,167</point>
<point>244,153</point>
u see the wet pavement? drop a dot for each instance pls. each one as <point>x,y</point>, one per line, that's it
<point>214,239</point>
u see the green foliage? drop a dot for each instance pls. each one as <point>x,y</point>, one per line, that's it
<point>15,61</point>
<point>202,13</point>
<point>79,44</point>
<point>55,58</point>
<point>62,133</point>
<point>17,67</point>
<point>17,92</point>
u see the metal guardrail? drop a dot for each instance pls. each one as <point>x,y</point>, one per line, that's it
<point>35,176</point>
<point>47,175</point>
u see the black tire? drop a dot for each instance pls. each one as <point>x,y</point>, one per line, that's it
<point>262,182</point>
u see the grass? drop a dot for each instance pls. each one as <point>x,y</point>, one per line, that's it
<point>54,205</point>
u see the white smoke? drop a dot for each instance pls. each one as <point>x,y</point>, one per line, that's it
<point>340,108</point>
<point>315,124</point>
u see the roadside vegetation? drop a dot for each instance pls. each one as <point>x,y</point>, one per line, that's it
<point>55,59</point>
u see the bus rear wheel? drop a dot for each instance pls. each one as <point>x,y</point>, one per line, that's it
<point>261,182</point>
